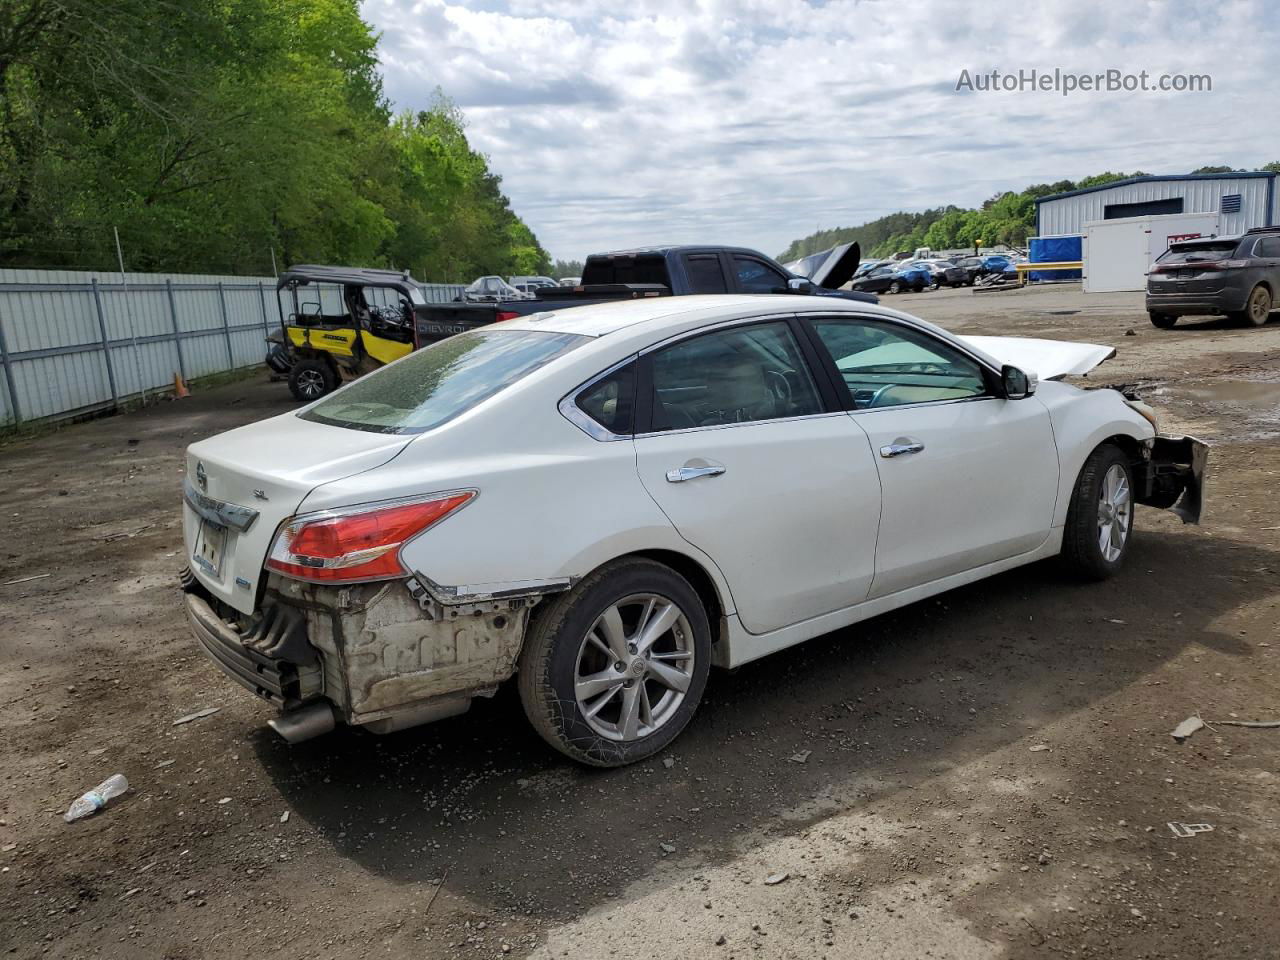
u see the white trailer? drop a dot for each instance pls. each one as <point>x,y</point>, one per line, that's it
<point>1118,253</point>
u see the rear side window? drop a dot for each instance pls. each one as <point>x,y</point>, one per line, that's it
<point>1268,247</point>
<point>1191,252</point>
<point>439,382</point>
<point>610,401</point>
<point>705,274</point>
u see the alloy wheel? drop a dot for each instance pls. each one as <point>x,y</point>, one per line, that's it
<point>634,667</point>
<point>1259,306</point>
<point>1115,513</point>
<point>310,384</point>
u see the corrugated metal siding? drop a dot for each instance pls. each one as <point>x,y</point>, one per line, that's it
<point>52,324</point>
<point>1068,215</point>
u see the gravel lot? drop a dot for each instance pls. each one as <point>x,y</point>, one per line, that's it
<point>989,774</point>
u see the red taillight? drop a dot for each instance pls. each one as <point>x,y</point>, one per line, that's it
<point>506,315</point>
<point>342,546</point>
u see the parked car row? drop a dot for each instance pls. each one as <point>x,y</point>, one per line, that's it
<point>903,276</point>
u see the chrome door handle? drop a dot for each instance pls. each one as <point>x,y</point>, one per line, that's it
<point>901,446</point>
<point>681,474</point>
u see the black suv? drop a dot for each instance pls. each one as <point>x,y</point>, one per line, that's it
<point>1235,276</point>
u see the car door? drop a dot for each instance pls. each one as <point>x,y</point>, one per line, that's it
<point>967,476</point>
<point>757,466</point>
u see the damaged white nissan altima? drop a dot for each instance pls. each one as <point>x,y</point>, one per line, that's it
<point>605,502</point>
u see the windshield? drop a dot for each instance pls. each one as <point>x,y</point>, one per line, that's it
<point>1187,252</point>
<point>439,382</point>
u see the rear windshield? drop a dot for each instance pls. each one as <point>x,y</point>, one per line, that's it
<point>1188,252</point>
<point>439,382</point>
<point>644,268</point>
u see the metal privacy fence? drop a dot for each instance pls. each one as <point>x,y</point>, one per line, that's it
<point>74,342</point>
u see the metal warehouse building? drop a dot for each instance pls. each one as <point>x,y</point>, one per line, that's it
<point>1241,201</point>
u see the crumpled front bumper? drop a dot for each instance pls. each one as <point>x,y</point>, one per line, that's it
<point>1174,477</point>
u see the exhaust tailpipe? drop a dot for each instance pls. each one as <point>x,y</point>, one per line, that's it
<point>304,723</point>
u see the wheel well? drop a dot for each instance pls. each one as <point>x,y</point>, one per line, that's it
<point>1131,448</point>
<point>699,579</point>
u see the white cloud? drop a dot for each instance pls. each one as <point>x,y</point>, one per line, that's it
<point>753,122</point>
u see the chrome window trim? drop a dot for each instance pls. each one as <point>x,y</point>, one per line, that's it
<point>569,409</point>
<point>218,512</point>
<point>743,423</point>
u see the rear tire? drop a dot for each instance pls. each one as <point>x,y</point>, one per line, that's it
<point>1162,320</point>
<point>312,379</point>
<point>1257,309</point>
<point>593,635</point>
<point>1100,517</point>
<point>895,287</point>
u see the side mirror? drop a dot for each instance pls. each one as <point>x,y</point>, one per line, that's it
<point>799,285</point>
<point>1017,383</point>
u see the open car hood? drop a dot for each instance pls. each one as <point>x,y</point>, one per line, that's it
<point>1047,359</point>
<point>831,268</point>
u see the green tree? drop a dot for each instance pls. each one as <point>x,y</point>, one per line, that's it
<point>212,132</point>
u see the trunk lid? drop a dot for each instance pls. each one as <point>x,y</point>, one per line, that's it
<point>267,468</point>
<point>1047,359</point>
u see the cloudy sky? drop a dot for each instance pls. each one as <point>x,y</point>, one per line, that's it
<point>754,122</point>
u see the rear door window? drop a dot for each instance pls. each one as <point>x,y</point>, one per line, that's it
<point>705,274</point>
<point>1268,247</point>
<point>439,382</point>
<point>737,375</point>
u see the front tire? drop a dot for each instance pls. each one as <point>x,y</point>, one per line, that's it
<point>1162,320</point>
<point>1100,517</point>
<point>312,379</point>
<point>612,670</point>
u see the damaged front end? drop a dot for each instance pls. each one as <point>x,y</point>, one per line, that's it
<point>385,655</point>
<point>1171,474</point>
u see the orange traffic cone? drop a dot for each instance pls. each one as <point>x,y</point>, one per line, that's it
<point>179,387</point>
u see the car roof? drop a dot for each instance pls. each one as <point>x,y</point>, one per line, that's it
<point>602,319</point>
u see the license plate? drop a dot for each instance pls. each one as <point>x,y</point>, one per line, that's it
<point>211,540</point>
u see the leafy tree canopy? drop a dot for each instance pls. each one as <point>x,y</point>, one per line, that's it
<point>214,132</point>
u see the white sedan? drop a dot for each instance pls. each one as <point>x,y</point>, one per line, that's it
<point>604,502</point>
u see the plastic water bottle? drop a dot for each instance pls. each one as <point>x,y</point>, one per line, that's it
<point>97,798</point>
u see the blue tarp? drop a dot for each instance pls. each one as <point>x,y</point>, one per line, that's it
<point>1055,250</point>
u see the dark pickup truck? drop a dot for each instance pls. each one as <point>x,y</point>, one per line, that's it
<point>660,272</point>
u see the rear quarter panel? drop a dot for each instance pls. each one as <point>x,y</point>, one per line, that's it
<point>552,502</point>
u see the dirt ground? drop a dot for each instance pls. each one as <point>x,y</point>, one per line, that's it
<point>986,775</point>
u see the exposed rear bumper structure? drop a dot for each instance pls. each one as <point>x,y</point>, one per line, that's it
<point>384,655</point>
<point>272,658</point>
